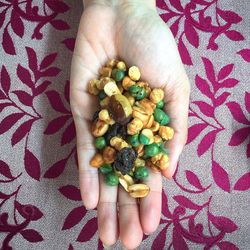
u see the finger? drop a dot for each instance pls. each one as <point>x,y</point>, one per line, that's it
<point>177,108</point>
<point>107,213</point>
<point>150,206</point>
<point>88,176</point>
<point>129,223</point>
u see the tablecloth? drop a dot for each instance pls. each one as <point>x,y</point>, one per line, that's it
<point>205,206</point>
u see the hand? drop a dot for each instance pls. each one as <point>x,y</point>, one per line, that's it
<point>132,31</point>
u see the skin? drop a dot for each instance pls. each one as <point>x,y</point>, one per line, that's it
<point>132,31</point>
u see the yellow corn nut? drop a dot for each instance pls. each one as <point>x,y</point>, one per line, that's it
<point>166,132</point>
<point>134,127</point>
<point>150,122</point>
<point>96,161</point>
<point>121,66</point>
<point>139,162</point>
<point>141,114</point>
<point>134,73</point>
<point>156,95</point>
<point>92,87</point>
<point>109,154</point>
<point>112,63</point>
<point>118,143</point>
<point>127,82</point>
<point>105,71</point>
<point>105,116</point>
<point>157,139</point>
<point>155,126</point>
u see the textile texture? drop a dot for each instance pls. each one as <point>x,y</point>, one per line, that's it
<point>205,206</point>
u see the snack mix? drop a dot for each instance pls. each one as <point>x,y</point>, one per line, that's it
<point>130,127</point>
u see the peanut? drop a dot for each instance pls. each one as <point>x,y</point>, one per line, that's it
<point>134,73</point>
<point>99,128</point>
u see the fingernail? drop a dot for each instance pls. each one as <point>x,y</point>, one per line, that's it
<point>106,246</point>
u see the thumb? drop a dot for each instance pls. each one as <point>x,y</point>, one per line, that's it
<point>177,103</point>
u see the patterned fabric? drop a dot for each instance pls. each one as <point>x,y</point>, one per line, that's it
<point>205,206</point>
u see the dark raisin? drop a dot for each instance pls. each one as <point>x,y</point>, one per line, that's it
<point>95,116</point>
<point>125,160</point>
<point>116,130</point>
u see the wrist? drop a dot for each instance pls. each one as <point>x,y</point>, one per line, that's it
<point>118,3</point>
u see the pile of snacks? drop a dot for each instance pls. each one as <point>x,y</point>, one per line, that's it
<point>130,127</point>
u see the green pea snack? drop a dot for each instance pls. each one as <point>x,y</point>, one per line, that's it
<point>130,128</point>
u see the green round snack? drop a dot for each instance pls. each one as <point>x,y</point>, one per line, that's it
<point>141,173</point>
<point>140,94</point>
<point>165,120</point>
<point>100,142</point>
<point>111,179</point>
<point>160,104</point>
<point>134,90</point>
<point>102,95</point>
<point>106,168</point>
<point>134,140</point>
<point>144,139</point>
<point>118,75</point>
<point>158,115</point>
<point>151,150</point>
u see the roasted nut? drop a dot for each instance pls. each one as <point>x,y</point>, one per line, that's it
<point>111,63</point>
<point>104,116</point>
<point>121,65</point>
<point>105,71</point>
<point>134,127</point>
<point>166,132</point>
<point>92,87</point>
<point>155,126</point>
<point>134,73</point>
<point>156,158</point>
<point>150,122</point>
<point>141,114</point>
<point>126,181</point>
<point>138,190</point>
<point>159,162</point>
<point>156,95</point>
<point>103,81</point>
<point>140,150</point>
<point>120,108</point>
<point>105,102</point>
<point>130,98</point>
<point>148,105</point>
<point>164,162</point>
<point>97,161</point>
<point>109,154</point>
<point>99,128</point>
<point>127,82</point>
<point>148,90</point>
<point>111,89</point>
<point>139,162</point>
<point>157,139</point>
<point>118,143</point>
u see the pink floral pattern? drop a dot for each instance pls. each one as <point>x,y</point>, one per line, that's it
<point>203,207</point>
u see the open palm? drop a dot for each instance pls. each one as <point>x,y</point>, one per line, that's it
<point>135,34</point>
